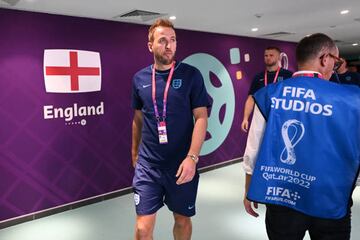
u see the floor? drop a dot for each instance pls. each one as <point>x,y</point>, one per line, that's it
<point>220,215</point>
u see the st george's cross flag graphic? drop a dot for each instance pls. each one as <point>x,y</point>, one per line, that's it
<point>71,71</point>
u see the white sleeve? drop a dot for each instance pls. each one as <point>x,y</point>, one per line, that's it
<point>254,140</point>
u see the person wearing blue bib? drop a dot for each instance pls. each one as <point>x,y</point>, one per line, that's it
<point>169,127</point>
<point>301,160</point>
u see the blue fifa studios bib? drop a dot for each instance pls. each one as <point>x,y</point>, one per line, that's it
<point>310,153</point>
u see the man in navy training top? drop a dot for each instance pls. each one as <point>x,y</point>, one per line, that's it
<point>344,76</point>
<point>169,127</point>
<point>274,73</point>
<point>301,160</point>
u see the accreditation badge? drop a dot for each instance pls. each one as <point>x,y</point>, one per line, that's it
<point>162,132</point>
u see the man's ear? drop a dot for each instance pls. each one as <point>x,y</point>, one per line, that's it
<point>324,60</point>
<point>150,46</point>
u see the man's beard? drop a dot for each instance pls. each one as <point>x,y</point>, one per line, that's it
<point>272,64</point>
<point>163,60</point>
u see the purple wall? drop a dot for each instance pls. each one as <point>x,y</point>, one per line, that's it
<point>49,162</point>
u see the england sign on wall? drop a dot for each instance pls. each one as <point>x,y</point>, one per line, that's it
<point>72,71</point>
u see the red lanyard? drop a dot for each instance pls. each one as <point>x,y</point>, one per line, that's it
<point>307,74</point>
<point>153,83</point>
<point>275,78</point>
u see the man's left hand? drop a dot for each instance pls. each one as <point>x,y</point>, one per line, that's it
<point>186,171</point>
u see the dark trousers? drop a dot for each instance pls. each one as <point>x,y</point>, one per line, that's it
<point>283,223</point>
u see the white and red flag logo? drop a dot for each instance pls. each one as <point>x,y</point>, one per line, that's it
<point>72,71</point>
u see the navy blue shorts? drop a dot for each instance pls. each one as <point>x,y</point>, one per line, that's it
<point>153,187</point>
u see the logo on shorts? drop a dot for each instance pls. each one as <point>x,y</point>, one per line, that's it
<point>176,83</point>
<point>136,199</point>
<point>191,207</point>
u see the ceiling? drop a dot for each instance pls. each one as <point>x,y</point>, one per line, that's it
<point>236,17</point>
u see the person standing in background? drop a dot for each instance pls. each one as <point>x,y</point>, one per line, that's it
<point>353,68</point>
<point>273,73</point>
<point>344,76</point>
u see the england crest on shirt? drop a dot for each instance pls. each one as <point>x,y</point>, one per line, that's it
<point>176,83</point>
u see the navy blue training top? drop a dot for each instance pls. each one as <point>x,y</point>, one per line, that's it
<point>258,81</point>
<point>187,91</point>
<point>346,78</point>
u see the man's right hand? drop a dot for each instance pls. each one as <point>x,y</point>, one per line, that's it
<point>136,136</point>
<point>249,209</point>
<point>248,108</point>
<point>134,159</point>
<point>245,125</point>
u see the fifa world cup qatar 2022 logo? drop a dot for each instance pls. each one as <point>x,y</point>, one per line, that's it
<point>292,131</point>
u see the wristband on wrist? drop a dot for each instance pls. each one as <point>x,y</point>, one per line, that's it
<point>193,157</point>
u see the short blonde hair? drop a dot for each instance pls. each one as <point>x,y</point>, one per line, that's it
<point>159,23</point>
